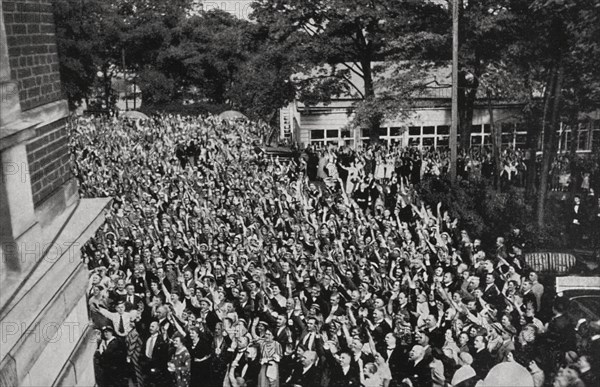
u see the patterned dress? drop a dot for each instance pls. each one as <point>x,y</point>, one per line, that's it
<point>183,363</point>
<point>134,348</point>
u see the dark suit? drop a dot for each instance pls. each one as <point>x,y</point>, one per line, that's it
<point>420,373</point>
<point>491,295</point>
<point>306,341</point>
<point>560,335</point>
<point>482,362</point>
<point>113,361</point>
<point>246,312</point>
<point>284,337</point>
<point>248,370</point>
<point>155,367</point>
<point>131,304</point>
<point>396,360</point>
<point>381,329</point>
<point>337,376</point>
<point>575,217</point>
<point>310,378</point>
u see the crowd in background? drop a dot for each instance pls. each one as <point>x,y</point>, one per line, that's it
<point>478,163</point>
<point>219,265</point>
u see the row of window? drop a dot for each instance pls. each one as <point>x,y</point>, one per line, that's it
<point>513,135</point>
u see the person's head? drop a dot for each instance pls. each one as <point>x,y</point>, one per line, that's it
<point>308,358</point>
<point>378,315</point>
<point>334,299</point>
<point>480,342</point>
<point>430,321</point>
<point>108,332</point>
<point>390,340</point>
<point>345,358</point>
<point>177,342</point>
<point>194,333</point>
<point>162,312</point>
<point>422,338</point>
<point>416,353</point>
<point>281,320</point>
<point>465,358</point>
<point>463,338</point>
<point>269,335</point>
<point>120,307</point>
<point>583,363</point>
<point>370,369</point>
<point>121,284</point>
<point>154,327</point>
<point>311,324</point>
<point>533,277</point>
<point>251,351</point>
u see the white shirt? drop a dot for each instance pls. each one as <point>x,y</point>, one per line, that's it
<point>116,320</point>
<point>150,343</point>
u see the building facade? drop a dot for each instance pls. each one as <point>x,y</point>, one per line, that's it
<point>425,125</point>
<point>45,339</point>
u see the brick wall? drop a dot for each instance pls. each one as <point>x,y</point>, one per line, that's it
<point>32,51</point>
<point>49,160</point>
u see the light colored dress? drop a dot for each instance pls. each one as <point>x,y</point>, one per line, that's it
<point>379,170</point>
<point>269,372</point>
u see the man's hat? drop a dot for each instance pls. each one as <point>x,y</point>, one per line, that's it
<point>204,299</point>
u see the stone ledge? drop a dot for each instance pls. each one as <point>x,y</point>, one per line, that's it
<point>49,293</point>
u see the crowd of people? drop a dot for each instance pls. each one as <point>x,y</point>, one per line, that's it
<point>414,164</point>
<point>219,265</point>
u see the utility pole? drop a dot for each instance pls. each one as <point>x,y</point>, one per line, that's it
<point>454,125</point>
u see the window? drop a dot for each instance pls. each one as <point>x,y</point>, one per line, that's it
<point>582,139</point>
<point>414,130</point>
<point>395,131</point>
<point>475,128</point>
<point>346,133</point>
<point>443,129</point>
<point>476,140</point>
<point>595,139</point>
<point>333,133</point>
<point>428,141</point>
<point>443,141</point>
<point>317,134</point>
<point>507,128</point>
<point>364,132</point>
<point>382,132</point>
<point>429,130</point>
<point>414,141</point>
<point>487,128</point>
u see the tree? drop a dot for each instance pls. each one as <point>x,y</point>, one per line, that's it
<point>88,35</point>
<point>343,39</point>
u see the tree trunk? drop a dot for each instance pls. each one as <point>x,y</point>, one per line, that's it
<point>466,103</point>
<point>573,167</point>
<point>533,133</point>
<point>376,118</point>
<point>549,147</point>
<point>496,142</point>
